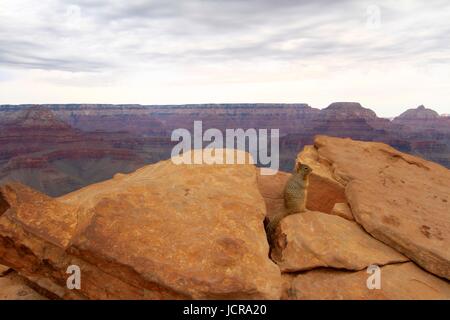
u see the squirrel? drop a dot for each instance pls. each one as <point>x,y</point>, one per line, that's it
<point>295,193</point>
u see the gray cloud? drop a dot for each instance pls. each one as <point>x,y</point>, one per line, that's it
<point>22,54</point>
<point>100,35</point>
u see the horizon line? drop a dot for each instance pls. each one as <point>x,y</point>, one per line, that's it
<point>218,104</point>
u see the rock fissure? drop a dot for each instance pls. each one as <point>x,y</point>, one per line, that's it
<point>4,204</point>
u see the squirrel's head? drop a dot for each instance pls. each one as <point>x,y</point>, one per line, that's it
<point>303,169</point>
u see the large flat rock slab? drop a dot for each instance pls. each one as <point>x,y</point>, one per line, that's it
<point>402,200</point>
<point>165,231</point>
<point>311,240</point>
<point>403,281</point>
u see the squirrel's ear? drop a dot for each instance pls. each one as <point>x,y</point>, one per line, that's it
<point>297,166</point>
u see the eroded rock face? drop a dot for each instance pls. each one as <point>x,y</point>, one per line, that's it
<point>164,231</point>
<point>423,120</point>
<point>403,281</point>
<point>324,190</point>
<point>45,153</point>
<point>342,210</point>
<point>399,199</point>
<point>272,189</point>
<point>4,270</point>
<point>346,110</point>
<point>12,287</point>
<point>313,239</point>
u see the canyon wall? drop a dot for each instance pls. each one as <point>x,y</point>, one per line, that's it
<point>60,148</point>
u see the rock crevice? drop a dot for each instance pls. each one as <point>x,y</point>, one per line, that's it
<point>4,205</point>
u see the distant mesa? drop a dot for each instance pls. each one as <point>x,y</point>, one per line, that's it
<point>349,110</point>
<point>419,113</point>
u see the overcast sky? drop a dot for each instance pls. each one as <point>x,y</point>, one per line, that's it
<point>388,55</point>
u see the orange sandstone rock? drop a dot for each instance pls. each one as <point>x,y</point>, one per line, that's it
<point>399,199</point>
<point>403,281</point>
<point>313,239</point>
<point>165,231</point>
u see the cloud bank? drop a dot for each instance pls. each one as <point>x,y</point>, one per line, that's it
<point>389,55</point>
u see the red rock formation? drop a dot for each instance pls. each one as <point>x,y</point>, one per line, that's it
<point>420,113</point>
<point>397,203</point>
<point>422,119</point>
<point>42,151</point>
<point>348,110</point>
<point>172,231</point>
<point>399,199</point>
<point>403,281</point>
<point>165,231</point>
<point>312,239</point>
<point>124,137</point>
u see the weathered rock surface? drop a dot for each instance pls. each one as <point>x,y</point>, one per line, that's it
<point>403,281</point>
<point>324,191</point>
<point>313,239</point>
<point>399,199</point>
<point>287,279</point>
<point>12,287</point>
<point>272,188</point>
<point>165,231</point>
<point>4,270</point>
<point>342,210</point>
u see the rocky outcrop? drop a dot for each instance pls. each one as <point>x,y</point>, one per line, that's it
<point>342,210</point>
<point>170,231</point>
<point>324,191</point>
<point>391,207</point>
<point>399,199</point>
<point>310,240</point>
<point>4,270</point>
<point>403,281</point>
<point>13,287</point>
<point>348,110</point>
<point>165,231</point>
<point>424,120</point>
<point>420,113</point>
